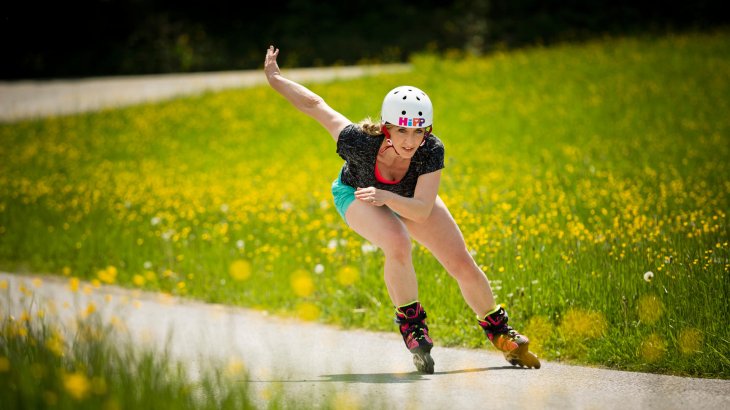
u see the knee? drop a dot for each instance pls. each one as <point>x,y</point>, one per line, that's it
<point>463,267</point>
<point>397,245</point>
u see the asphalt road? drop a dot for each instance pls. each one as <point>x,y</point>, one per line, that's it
<point>315,364</point>
<point>34,99</point>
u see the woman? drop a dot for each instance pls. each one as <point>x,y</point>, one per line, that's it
<point>387,192</point>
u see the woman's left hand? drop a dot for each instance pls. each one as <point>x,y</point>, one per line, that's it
<point>371,195</point>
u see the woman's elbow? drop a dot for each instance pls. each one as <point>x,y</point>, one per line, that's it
<point>422,217</point>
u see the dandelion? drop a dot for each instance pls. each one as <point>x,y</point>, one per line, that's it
<point>580,324</point>
<point>147,265</point>
<point>77,385</point>
<point>155,221</point>
<point>235,367</point>
<point>138,280</point>
<point>650,308</point>
<point>240,244</point>
<point>308,311</point>
<point>240,270</point>
<point>318,268</point>
<point>690,341</point>
<point>648,276</point>
<point>347,276</point>
<point>302,283</point>
<point>55,343</point>
<point>73,284</point>
<point>108,275</point>
<point>90,309</point>
<point>653,348</point>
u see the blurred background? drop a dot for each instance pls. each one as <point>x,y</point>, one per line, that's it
<point>85,38</point>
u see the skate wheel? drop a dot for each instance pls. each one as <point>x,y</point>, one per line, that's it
<point>523,358</point>
<point>424,362</point>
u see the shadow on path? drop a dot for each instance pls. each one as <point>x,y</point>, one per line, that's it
<point>385,378</point>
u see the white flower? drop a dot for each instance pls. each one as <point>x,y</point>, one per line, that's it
<point>156,220</point>
<point>224,208</point>
<point>332,244</point>
<point>368,247</point>
<point>148,265</point>
<point>240,244</point>
<point>319,268</point>
<point>648,276</point>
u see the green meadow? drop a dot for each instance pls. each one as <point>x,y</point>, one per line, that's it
<point>591,182</point>
<point>86,365</point>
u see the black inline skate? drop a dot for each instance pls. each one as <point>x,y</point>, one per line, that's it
<point>411,320</point>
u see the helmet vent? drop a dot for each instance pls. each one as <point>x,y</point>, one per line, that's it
<point>405,96</point>
<point>403,112</point>
<point>420,113</point>
<point>418,98</point>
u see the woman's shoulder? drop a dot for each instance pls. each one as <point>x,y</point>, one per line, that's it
<point>353,139</point>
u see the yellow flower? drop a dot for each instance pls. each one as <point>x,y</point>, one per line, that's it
<point>73,284</point>
<point>347,276</point>
<point>580,324</point>
<point>108,275</point>
<point>55,344</point>
<point>302,283</point>
<point>138,280</point>
<point>4,364</point>
<point>240,270</point>
<point>651,309</point>
<point>77,385</point>
<point>653,348</point>
<point>90,309</point>
<point>308,312</point>
<point>690,341</point>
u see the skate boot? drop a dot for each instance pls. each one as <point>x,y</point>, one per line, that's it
<point>411,320</point>
<point>514,345</point>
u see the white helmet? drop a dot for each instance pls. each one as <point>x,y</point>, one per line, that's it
<point>407,106</point>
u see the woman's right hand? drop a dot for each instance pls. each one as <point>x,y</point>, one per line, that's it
<point>271,68</point>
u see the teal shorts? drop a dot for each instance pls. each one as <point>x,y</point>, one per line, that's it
<point>343,195</point>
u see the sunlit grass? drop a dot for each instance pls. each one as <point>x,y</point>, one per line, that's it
<point>91,365</point>
<point>572,171</point>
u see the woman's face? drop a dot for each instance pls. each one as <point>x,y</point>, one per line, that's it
<point>406,140</point>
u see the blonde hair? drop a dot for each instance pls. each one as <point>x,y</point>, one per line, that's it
<point>371,127</point>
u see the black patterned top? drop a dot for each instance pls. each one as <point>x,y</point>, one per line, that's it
<point>360,151</point>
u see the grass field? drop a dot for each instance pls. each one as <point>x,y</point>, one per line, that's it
<point>92,366</point>
<point>573,171</point>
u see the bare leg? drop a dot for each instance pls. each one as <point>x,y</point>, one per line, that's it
<point>385,230</point>
<point>441,235</point>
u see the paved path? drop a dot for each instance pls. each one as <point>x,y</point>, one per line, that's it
<point>371,370</point>
<point>32,99</point>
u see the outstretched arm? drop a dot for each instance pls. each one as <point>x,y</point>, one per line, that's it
<point>303,98</point>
